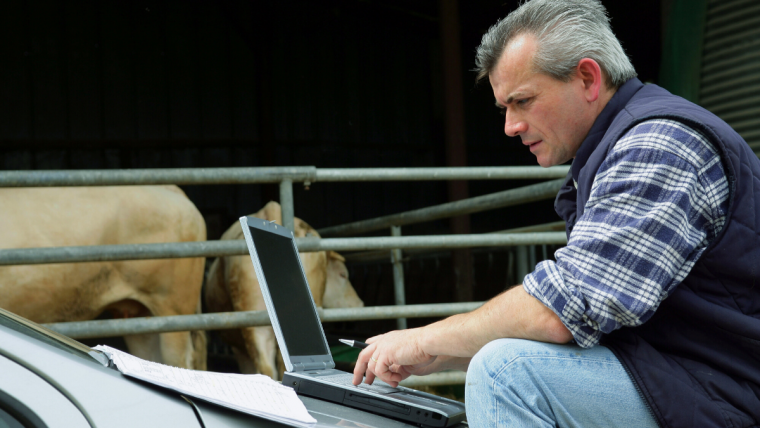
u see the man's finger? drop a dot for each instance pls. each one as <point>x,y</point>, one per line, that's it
<point>359,370</point>
<point>370,378</point>
<point>371,366</point>
<point>395,379</point>
<point>362,364</point>
<point>390,374</point>
<point>404,373</point>
<point>424,363</point>
<point>381,369</point>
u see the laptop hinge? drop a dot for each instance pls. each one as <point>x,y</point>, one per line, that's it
<point>321,365</point>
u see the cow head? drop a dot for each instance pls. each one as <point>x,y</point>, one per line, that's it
<point>231,285</point>
<point>314,263</point>
<point>326,271</point>
<point>339,293</point>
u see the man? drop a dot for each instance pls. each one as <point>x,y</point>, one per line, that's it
<point>659,284</point>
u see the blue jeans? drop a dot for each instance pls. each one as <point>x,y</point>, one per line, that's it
<point>521,383</point>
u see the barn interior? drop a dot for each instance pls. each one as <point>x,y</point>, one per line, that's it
<point>331,84</point>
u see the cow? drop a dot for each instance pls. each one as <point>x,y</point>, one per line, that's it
<point>231,285</point>
<point>74,216</point>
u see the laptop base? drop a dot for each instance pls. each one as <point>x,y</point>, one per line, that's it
<point>371,403</point>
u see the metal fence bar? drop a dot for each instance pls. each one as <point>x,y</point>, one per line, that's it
<point>101,253</point>
<point>246,175</point>
<point>373,255</point>
<point>521,195</point>
<point>286,204</point>
<point>443,173</point>
<point>522,263</point>
<point>104,253</point>
<point>555,226</point>
<point>123,177</point>
<point>228,320</point>
<point>399,293</point>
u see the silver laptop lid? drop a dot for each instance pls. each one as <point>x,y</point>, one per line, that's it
<point>287,296</point>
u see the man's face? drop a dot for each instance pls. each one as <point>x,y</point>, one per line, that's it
<point>551,117</point>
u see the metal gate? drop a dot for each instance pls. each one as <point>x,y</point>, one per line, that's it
<point>286,176</point>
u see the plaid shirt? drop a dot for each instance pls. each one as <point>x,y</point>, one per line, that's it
<point>659,198</point>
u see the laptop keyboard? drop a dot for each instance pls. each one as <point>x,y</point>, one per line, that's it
<point>347,380</point>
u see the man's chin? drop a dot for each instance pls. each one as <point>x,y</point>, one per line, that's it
<point>545,163</point>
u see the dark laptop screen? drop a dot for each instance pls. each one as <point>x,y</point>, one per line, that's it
<point>290,294</point>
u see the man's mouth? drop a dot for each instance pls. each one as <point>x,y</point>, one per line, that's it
<point>534,145</point>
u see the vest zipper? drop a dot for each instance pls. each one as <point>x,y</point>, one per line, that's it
<point>635,384</point>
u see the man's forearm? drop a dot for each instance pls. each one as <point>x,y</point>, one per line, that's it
<point>512,314</point>
<point>441,363</point>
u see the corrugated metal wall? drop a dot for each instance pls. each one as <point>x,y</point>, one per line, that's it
<point>730,84</point>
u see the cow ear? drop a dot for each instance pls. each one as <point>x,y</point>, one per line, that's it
<point>271,212</point>
<point>332,255</point>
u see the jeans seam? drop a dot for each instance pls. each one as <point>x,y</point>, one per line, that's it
<point>514,393</point>
<point>510,362</point>
<point>494,403</point>
<point>498,374</point>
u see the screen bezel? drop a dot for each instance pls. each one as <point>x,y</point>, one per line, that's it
<point>293,363</point>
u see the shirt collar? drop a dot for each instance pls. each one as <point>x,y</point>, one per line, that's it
<point>602,123</point>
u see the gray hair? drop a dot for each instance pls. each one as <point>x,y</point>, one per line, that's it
<point>566,31</point>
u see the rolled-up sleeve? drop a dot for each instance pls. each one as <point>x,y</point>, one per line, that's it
<point>656,202</point>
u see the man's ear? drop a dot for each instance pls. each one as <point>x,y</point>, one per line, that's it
<point>590,74</point>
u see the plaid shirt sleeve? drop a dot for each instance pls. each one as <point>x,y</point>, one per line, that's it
<point>658,200</point>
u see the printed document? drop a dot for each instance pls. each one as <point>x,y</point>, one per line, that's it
<point>257,395</point>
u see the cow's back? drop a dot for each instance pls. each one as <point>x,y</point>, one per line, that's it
<point>78,216</point>
<point>52,216</point>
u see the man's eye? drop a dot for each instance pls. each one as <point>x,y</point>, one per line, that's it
<point>522,101</point>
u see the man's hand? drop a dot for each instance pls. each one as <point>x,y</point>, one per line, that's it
<point>442,362</point>
<point>392,357</point>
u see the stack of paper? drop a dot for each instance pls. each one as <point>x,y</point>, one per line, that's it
<point>257,395</point>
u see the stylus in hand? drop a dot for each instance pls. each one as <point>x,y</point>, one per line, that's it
<point>354,343</point>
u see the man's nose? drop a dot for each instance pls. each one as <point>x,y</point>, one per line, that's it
<point>514,126</point>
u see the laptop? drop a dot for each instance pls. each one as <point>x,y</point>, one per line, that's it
<point>310,369</point>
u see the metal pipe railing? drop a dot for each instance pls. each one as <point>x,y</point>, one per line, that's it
<point>101,253</point>
<point>286,204</point>
<point>555,226</point>
<point>107,253</point>
<point>248,175</point>
<point>523,262</point>
<point>179,176</point>
<point>286,176</point>
<point>442,173</point>
<point>399,290</point>
<point>378,255</point>
<point>521,195</point>
<point>230,320</point>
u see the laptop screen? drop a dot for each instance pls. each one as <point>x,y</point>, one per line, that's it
<point>290,294</point>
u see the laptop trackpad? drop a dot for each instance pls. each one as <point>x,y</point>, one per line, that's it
<point>379,389</point>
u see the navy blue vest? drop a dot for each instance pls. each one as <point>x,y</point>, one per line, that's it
<point>697,360</point>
